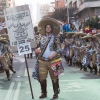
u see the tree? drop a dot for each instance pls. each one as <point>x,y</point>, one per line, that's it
<point>60,13</point>
<point>44,9</point>
<point>92,23</point>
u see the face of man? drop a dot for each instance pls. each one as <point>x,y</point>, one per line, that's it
<point>48,29</point>
<point>66,21</point>
<point>89,39</point>
<point>80,37</point>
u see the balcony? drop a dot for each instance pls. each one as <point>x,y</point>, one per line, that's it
<point>4,0</point>
<point>88,4</point>
<point>1,13</point>
<point>1,8</point>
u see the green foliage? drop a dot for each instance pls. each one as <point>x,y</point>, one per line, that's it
<point>60,13</point>
<point>93,23</point>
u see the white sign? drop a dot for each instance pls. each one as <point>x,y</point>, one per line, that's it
<point>19,24</point>
<point>24,48</point>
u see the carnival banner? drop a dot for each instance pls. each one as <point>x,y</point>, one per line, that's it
<point>19,24</point>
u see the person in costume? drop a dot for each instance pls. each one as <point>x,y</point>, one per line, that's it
<point>90,53</point>
<point>3,59</point>
<point>71,44</point>
<point>66,50</point>
<point>8,52</point>
<point>79,51</point>
<point>49,59</point>
<point>98,52</point>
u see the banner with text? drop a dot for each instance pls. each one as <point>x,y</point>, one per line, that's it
<point>19,24</point>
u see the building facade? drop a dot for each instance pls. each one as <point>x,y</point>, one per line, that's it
<point>60,4</point>
<point>84,9</point>
<point>3,5</point>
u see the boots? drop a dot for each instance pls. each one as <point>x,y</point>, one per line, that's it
<point>55,89</point>
<point>31,55</point>
<point>8,74</point>
<point>99,72</point>
<point>78,64</point>
<point>81,66</point>
<point>91,69</point>
<point>67,60</point>
<point>85,69</point>
<point>27,55</point>
<point>95,69</point>
<point>11,68</point>
<point>11,61</point>
<point>70,62</point>
<point>43,88</point>
<point>65,57</point>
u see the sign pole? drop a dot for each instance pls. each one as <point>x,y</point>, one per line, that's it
<point>28,76</point>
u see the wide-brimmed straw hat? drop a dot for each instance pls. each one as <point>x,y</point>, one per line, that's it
<point>69,34</point>
<point>97,35</point>
<point>49,21</point>
<point>3,40</point>
<point>89,36</point>
<point>76,35</point>
<point>5,36</point>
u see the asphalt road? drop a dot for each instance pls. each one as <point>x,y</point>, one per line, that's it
<point>74,84</point>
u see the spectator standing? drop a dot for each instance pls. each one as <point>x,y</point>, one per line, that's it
<point>66,27</point>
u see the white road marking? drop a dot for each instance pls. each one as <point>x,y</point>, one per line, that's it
<point>20,59</point>
<point>77,90</point>
<point>28,92</point>
<point>73,86</point>
<point>17,91</point>
<point>30,72</point>
<point>18,76</point>
<point>3,75</point>
<point>67,80</point>
<point>10,91</point>
<point>27,82</point>
<point>62,74</point>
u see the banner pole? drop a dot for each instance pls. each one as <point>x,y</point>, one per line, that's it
<point>28,76</point>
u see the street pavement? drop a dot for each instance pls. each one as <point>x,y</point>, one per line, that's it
<point>75,84</point>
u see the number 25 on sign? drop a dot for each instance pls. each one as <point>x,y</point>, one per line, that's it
<point>24,48</point>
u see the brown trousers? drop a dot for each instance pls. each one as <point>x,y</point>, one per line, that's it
<point>4,63</point>
<point>93,59</point>
<point>81,55</point>
<point>71,52</point>
<point>44,68</point>
<point>10,56</point>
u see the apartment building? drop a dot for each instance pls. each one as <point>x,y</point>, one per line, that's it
<point>5,4</point>
<point>60,4</point>
<point>84,9</point>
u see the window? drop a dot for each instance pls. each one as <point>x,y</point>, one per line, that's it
<point>75,4</point>
<point>97,11</point>
<point>9,4</point>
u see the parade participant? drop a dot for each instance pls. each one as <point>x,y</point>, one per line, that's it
<point>79,51</point>
<point>90,53</point>
<point>66,50</point>
<point>71,43</point>
<point>8,53</point>
<point>49,58</point>
<point>98,51</point>
<point>3,60</point>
